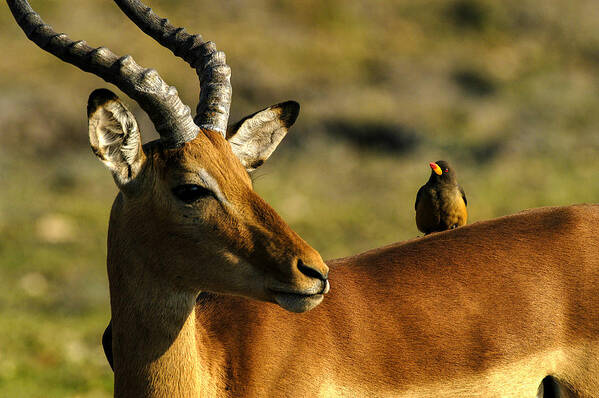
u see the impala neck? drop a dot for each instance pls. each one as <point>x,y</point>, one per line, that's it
<point>154,340</point>
<point>155,337</point>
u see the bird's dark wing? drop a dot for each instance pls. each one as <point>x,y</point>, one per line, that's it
<point>464,196</point>
<point>418,196</point>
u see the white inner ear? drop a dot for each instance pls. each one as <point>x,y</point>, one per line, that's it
<point>258,137</point>
<point>119,135</point>
<point>115,137</point>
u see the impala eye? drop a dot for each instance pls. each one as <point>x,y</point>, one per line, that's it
<point>189,193</point>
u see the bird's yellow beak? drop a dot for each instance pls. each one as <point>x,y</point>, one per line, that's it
<point>436,168</point>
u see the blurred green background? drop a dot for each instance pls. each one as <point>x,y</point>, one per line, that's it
<point>506,91</point>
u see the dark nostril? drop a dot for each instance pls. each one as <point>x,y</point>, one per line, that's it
<point>309,271</point>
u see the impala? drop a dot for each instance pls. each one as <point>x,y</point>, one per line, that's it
<point>206,280</point>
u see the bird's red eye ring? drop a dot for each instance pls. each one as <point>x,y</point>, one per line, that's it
<point>446,170</point>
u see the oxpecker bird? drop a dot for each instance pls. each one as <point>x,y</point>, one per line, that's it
<point>441,202</point>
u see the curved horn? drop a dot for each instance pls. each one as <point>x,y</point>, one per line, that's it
<point>160,101</point>
<point>214,73</point>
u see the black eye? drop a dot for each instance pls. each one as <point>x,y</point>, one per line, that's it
<point>189,193</point>
<point>446,170</point>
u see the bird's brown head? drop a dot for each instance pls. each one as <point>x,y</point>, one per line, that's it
<point>442,172</point>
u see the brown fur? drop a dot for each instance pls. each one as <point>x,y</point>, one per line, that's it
<point>489,309</point>
<point>162,252</point>
<point>445,315</point>
<point>484,310</point>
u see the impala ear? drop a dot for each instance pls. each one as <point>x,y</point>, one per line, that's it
<point>254,138</point>
<point>114,136</point>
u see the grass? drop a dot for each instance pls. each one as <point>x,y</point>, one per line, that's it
<point>506,91</point>
<point>53,288</point>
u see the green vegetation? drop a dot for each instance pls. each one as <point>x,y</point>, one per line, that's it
<point>506,91</point>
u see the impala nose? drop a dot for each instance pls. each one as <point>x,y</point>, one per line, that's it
<point>311,272</point>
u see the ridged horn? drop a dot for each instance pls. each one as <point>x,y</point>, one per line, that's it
<point>210,65</point>
<point>160,101</point>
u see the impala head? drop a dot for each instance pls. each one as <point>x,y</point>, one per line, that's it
<point>186,209</point>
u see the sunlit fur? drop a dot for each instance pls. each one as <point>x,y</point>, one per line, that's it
<point>486,310</point>
<point>163,252</point>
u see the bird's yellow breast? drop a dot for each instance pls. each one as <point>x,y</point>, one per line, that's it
<point>440,209</point>
<point>453,209</point>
